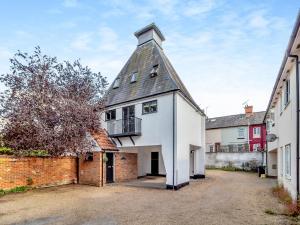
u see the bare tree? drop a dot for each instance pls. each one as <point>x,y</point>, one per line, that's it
<point>50,105</point>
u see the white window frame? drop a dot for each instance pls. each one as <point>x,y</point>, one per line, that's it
<point>256,132</point>
<point>287,161</point>
<point>241,130</point>
<point>282,161</point>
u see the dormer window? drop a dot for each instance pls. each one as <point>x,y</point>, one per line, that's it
<point>116,83</point>
<point>133,77</point>
<point>154,71</point>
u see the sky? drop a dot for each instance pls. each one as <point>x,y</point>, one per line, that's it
<point>226,52</point>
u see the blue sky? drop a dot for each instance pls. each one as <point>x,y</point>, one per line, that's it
<point>225,51</point>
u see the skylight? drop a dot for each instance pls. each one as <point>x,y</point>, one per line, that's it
<point>133,77</point>
<point>116,83</point>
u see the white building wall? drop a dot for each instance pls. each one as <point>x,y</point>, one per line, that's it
<point>285,123</point>
<point>190,129</point>
<point>156,129</point>
<point>223,159</point>
<point>230,135</point>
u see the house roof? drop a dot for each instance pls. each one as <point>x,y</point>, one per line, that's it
<point>234,120</point>
<point>104,142</point>
<point>142,61</point>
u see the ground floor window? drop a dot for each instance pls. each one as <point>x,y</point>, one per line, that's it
<point>288,160</point>
<point>256,147</point>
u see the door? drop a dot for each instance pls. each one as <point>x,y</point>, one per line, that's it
<point>192,163</point>
<point>154,163</point>
<point>110,167</point>
<point>128,119</point>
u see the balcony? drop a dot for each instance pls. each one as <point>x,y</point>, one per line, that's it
<point>124,127</point>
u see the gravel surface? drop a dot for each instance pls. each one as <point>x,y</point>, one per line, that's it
<point>222,198</point>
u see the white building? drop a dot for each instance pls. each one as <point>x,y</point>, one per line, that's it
<point>149,112</point>
<point>283,119</point>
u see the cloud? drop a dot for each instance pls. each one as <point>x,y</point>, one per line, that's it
<point>195,8</point>
<point>70,3</point>
<point>82,41</point>
<point>108,39</point>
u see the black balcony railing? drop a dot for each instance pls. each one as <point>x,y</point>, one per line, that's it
<point>124,127</point>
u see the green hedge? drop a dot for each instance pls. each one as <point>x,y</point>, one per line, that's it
<point>9,151</point>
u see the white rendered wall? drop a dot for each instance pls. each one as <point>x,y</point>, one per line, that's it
<point>230,135</point>
<point>222,159</point>
<point>157,129</point>
<point>212,136</point>
<point>190,130</point>
<point>285,123</point>
<point>272,163</point>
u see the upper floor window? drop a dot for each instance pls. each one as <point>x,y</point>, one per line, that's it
<point>241,132</point>
<point>116,83</point>
<point>256,132</point>
<point>133,77</point>
<point>150,107</point>
<point>110,115</point>
<point>287,92</point>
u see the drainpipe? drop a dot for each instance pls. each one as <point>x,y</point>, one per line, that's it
<point>102,168</point>
<point>297,120</point>
<point>173,140</point>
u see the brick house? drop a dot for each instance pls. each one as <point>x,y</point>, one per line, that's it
<point>152,119</point>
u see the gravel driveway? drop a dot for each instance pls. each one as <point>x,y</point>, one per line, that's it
<point>222,198</point>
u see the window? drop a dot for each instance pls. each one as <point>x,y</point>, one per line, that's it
<point>256,132</point>
<point>116,83</point>
<point>211,148</point>
<point>241,133</point>
<point>287,160</point>
<point>150,107</point>
<point>133,77</point>
<point>110,115</point>
<point>154,71</point>
<point>287,92</point>
<point>256,147</point>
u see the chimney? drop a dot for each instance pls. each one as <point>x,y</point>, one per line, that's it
<point>248,110</point>
<point>148,33</point>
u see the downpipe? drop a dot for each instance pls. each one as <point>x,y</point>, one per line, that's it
<point>297,121</point>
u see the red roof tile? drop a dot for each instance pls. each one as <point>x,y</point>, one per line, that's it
<point>104,141</point>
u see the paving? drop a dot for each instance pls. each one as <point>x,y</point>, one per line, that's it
<point>222,198</point>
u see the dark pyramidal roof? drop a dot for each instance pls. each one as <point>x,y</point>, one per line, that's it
<point>141,62</point>
<point>235,120</point>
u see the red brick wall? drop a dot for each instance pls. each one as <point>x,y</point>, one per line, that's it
<point>125,166</point>
<point>90,171</point>
<point>46,171</point>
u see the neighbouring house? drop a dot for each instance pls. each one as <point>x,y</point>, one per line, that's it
<point>151,115</point>
<point>282,119</point>
<point>236,140</point>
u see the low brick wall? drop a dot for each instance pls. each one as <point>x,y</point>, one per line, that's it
<point>125,166</point>
<point>43,171</point>
<point>90,172</point>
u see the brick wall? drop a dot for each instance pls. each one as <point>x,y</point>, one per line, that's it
<point>125,166</point>
<point>46,171</point>
<point>90,172</point>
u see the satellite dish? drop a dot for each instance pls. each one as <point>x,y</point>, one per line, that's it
<point>271,137</point>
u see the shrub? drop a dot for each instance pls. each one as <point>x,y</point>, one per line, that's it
<point>14,190</point>
<point>6,151</point>
<point>292,207</point>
